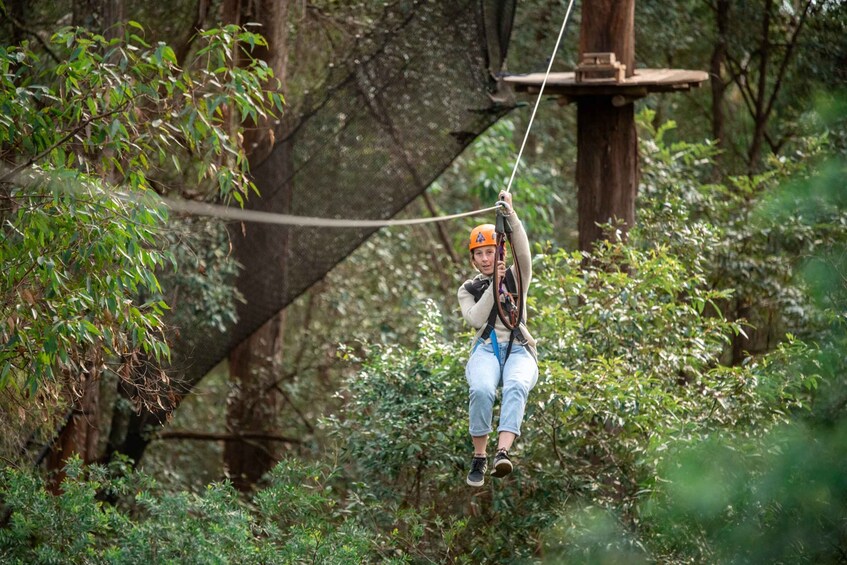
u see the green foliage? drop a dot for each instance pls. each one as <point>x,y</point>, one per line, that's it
<point>72,263</point>
<point>485,171</point>
<point>629,363</point>
<point>816,201</point>
<point>296,513</point>
<point>631,340</point>
<point>124,108</point>
<point>424,398</point>
<point>632,420</point>
<point>634,362</point>
<point>85,135</point>
<point>755,257</point>
<point>202,286</point>
<point>772,499</point>
<point>740,495</point>
<point>289,522</point>
<point>779,499</point>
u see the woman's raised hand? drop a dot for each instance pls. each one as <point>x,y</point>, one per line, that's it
<point>506,202</point>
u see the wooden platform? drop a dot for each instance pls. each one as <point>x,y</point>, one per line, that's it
<point>642,83</point>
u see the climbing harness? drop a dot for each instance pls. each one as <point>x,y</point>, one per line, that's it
<point>477,288</point>
<point>509,303</point>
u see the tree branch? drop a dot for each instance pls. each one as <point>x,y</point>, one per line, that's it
<point>213,436</point>
<point>13,173</point>
<point>35,34</point>
<point>296,409</point>
<point>783,67</point>
<point>743,85</point>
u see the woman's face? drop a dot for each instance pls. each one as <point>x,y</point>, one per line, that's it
<point>484,259</point>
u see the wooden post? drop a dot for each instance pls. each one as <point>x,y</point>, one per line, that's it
<point>607,142</point>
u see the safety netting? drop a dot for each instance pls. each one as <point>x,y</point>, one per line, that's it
<point>393,115</point>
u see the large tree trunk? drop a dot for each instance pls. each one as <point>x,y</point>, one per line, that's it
<point>607,167</point>
<point>607,142</point>
<point>255,401</point>
<point>253,405</point>
<point>609,26</point>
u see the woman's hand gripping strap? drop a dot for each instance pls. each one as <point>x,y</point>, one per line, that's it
<point>509,308</point>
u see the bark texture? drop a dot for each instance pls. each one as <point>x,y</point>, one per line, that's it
<point>607,142</point>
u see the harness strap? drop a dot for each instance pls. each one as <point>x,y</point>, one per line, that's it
<point>477,289</point>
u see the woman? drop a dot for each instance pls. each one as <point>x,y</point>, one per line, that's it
<point>499,357</point>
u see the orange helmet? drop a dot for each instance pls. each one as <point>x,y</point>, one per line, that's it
<point>481,236</point>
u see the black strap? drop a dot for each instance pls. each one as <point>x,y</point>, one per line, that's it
<point>477,288</point>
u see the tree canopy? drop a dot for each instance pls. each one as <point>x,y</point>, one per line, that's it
<point>691,400</point>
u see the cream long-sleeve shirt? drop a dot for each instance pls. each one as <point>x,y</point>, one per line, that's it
<point>476,313</point>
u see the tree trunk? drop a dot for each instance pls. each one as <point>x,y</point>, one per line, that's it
<point>255,402</point>
<point>114,14</point>
<point>717,82</point>
<point>740,342</point>
<point>607,167</point>
<point>253,406</point>
<point>760,115</point>
<point>273,15</point>
<point>609,26</point>
<point>607,142</point>
<point>81,434</point>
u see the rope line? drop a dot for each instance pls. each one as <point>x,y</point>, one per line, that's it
<point>540,93</point>
<point>257,216</point>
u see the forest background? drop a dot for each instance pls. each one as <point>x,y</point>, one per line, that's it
<point>691,400</point>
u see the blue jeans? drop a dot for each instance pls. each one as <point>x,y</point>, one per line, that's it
<point>485,372</point>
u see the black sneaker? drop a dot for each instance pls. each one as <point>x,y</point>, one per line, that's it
<point>476,477</point>
<point>502,464</point>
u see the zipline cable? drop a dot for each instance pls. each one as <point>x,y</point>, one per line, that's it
<point>240,214</point>
<point>540,93</point>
